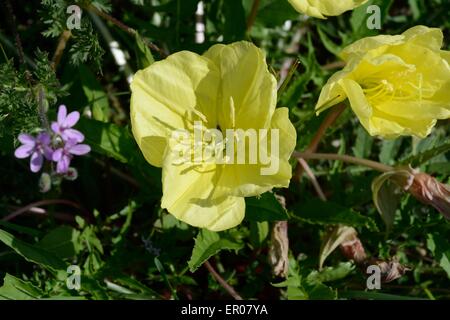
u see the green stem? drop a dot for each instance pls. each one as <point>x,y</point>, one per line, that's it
<point>345,158</point>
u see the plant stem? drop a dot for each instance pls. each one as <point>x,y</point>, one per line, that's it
<point>124,27</point>
<point>45,203</point>
<point>252,17</point>
<point>345,158</point>
<point>12,17</point>
<point>222,282</point>
<point>314,144</point>
<point>65,36</point>
<point>334,65</point>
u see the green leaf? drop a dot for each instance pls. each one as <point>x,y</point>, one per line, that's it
<point>108,139</point>
<point>353,294</point>
<point>320,292</point>
<point>386,195</point>
<point>95,95</point>
<point>389,150</point>
<point>329,274</point>
<point>273,13</point>
<point>424,156</point>
<point>235,22</point>
<point>363,144</point>
<point>21,229</point>
<point>315,211</point>
<point>207,244</point>
<point>118,143</point>
<point>258,232</point>
<point>61,241</point>
<point>359,17</point>
<point>264,208</point>
<point>32,253</point>
<point>438,246</point>
<point>327,42</point>
<point>161,270</point>
<point>16,289</point>
<point>143,53</point>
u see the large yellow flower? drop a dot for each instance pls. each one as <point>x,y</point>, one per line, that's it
<point>229,87</point>
<point>322,8</point>
<point>396,85</point>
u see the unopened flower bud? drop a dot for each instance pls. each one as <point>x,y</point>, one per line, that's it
<point>428,190</point>
<point>45,182</point>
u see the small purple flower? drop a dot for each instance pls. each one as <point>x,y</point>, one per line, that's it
<point>65,122</point>
<point>37,148</point>
<point>64,155</point>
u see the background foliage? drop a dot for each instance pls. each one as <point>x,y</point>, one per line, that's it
<point>110,222</point>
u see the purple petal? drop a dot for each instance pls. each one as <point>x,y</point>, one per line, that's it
<point>56,127</point>
<point>26,139</point>
<point>71,119</point>
<point>69,143</point>
<point>57,154</point>
<point>63,164</point>
<point>48,153</point>
<point>80,149</point>
<point>72,134</point>
<point>44,138</point>
<point>36,162</point>
<point>62,113</point>
<point>24,151</point>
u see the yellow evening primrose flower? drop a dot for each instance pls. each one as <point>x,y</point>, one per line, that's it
<point>396,85</point>
<point>323,8</point>
<point>214,96</point>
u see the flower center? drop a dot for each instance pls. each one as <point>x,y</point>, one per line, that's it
<point>379,91</point>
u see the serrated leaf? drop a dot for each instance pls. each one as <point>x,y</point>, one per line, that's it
<point>264,208</point>
<point>321,292</point>
<point>207,244</point>
<point>315,211</point>
<point>16,289</point>
<point>424,156</point>
<point>438,246</point>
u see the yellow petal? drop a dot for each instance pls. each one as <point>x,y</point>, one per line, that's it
<point>189,193</point>
<point>248,89</point>
<point>388,126</point>
<point>378,43</point>
<point>357,99</point>
<point>414,110</point>
<point>332,93</point>
<point>322,8</point>
<point>169,95</point>
<point>431,38</point>
<point>248,180</point>
<point>304,7</point>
